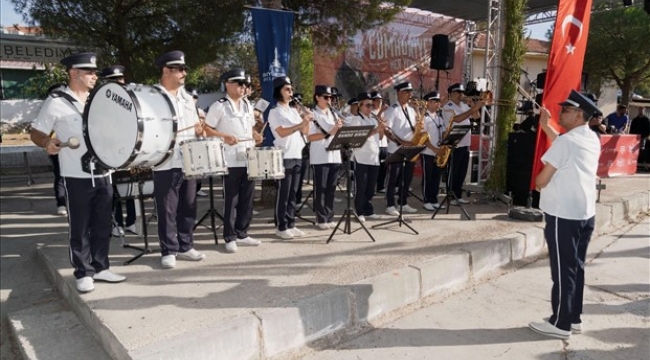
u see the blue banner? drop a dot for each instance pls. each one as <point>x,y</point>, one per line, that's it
<point>273,32</point>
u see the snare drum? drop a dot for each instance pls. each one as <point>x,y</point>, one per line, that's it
<point>203,157</point>
<point>129,125</point>
<point>265,163</point>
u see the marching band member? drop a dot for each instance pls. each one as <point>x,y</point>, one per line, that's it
<point>176,196</point>
<point>288,126</point>
<point>354,106</point>
<point>460,113</point>
<point>435,126</point>
<point>89,193</point>
<point>326,163</point>
<point>231,118</point>
<point>367,159</point>
<point>116,73</point>
<point>400,122</point>
<point>377,108</point>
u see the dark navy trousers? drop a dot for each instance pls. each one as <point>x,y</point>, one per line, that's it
<point>381,177</point>
<point>285,203</point>
<point>59,188</point>
<point>567,242</point>
<point>458,171</point>
<point>89,217</point>
<point>366,176</point>
<point>176,210</point>
<point>430,179</point>
<point>238,204</point>
<point>394,173</point>
<point>325,178</point>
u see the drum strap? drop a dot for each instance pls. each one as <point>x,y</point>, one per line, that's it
<point>88,157</point>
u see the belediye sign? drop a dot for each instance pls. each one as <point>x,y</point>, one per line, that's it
<point>34,52</point>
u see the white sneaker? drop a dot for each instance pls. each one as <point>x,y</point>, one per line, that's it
<point>201,193</point>
<point>432,206</point>
<point>331,225</point>
<point>546,328</point>
<point>117,231</point>
<point>408,209</point>
<point>108,276</point>
<point>337,200</point>
<point>374,216</point>
<point>576,328</point>
<point>296,232</point>
<point>132,229</point>
<point>453,203</point>
<point>61,210</point>
<point>191,255</point>
<point>255,212</point>
<point>231,247</point>
<point>463,201</point>
<point>362,218</point>
<point>392,211</point>
<point>85,284</point>
<point>382,191</point>
<point>323,226</point>
<point>285,234</point>
<point>168,261</point>
<point>248,241</point>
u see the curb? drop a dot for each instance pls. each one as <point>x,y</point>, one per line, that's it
<point>329,318</point>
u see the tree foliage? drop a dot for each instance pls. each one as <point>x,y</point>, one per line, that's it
<point>617,50</point>
<point>512,54</point>
<point>134,32</point>
<point>37,86</point>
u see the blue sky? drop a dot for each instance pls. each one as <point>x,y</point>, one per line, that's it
<point>9,17</point>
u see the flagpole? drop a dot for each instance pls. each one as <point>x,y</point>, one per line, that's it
<point>269,9</point>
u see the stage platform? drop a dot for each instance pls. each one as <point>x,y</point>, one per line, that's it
<point>276,300</point>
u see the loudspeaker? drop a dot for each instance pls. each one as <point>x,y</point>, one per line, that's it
<point>443,52</point>
<point>628,2</point>
<point>541,79</point>
<point>519,167</point>
<point>646,6</point>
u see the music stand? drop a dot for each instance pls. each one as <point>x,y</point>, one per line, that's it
<point>140,178</point>
<point>304,202</point>
<point>212,213</point>
<point>455,135</point>
<point>402,155</point>
<point>347,138</point>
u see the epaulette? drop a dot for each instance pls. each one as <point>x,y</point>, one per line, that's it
<point>450,104</point>
<point>223,99</point>
<point>394,105</point>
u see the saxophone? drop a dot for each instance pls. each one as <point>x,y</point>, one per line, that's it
<point>420,135</point>
<point>445,150</point>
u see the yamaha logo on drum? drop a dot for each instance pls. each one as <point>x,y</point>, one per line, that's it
<point>126,104</point>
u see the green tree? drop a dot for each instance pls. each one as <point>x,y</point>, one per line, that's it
<point>617,50</point>
<point>512,55</point>
<point>37,86</point>
<point>134,32</point>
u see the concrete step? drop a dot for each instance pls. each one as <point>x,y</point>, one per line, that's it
<point>53,332</point>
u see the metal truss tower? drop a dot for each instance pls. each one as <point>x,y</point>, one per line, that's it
<point>493,41</point>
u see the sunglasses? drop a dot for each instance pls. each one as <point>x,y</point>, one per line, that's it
<point>178,68</point>
<point>239,82</point>
<point>326,97</point>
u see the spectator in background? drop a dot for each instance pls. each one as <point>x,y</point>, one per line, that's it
<point>617,122</point>
<point>640,125</point>
<point>596,122</point>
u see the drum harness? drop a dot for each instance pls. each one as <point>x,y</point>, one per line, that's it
<point>88,161</point>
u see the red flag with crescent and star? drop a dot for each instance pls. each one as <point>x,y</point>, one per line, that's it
<point>564,68</point>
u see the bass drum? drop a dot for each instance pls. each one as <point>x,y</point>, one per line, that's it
<point>129,125</point>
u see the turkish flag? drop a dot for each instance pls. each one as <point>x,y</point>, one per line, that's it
<point>564,68</point>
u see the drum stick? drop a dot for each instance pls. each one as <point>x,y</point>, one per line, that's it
<point>72,143</point>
